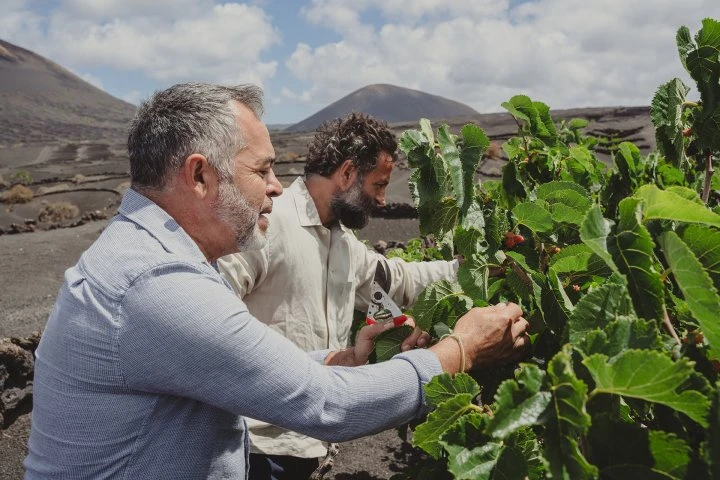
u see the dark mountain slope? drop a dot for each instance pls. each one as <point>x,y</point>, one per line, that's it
<point>389,103</point>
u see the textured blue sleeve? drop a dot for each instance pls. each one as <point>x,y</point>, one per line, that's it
<point>184,333</point>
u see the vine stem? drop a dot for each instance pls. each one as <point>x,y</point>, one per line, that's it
<point>543,258</point>
<point>669,326</point>
<point>708,178</point>
<point>525,142</point>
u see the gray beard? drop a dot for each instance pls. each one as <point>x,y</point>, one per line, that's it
<point>234,211</point>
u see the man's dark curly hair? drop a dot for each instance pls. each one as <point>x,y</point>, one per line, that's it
<point>357,136</point>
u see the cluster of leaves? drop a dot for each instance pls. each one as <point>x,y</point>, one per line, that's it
<point>617,264</point>
<point>416,250</point>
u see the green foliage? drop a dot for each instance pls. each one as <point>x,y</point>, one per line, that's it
<point>688,132</point>
<point>612,263</point>
<point>21,176</point>
<point>388,342</point>
<point>696,285</point>
<point>415,251</point>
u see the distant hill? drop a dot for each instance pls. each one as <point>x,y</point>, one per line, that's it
<point>389,103</point>
<point>41,101</point>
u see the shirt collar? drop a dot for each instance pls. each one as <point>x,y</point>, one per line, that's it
<point>304,204</point>
<point>149,216</point>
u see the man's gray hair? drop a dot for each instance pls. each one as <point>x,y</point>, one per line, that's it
<point>184,119</point>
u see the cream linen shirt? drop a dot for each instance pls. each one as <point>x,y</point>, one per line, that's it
<point>305,285</point>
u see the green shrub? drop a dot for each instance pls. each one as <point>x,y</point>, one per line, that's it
<point>21,176</point>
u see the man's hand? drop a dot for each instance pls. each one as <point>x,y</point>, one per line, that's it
<point>365,342</point>
<point>490,336</point>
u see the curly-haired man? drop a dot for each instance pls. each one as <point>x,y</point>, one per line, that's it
<point>321,268</point>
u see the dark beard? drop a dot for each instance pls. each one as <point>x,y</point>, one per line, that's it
<point>354,213</point>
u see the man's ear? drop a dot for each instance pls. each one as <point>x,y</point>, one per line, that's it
<point>347,173</point>
<point>198,176</point>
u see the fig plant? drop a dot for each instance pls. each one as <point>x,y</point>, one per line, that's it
<point>617,267</point>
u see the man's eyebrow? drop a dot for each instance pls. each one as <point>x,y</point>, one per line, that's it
<point>268,162</point>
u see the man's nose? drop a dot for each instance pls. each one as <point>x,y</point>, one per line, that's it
<point>380,198</point>
<point>273,187</point>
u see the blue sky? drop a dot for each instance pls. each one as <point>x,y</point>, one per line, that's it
<point>307,54</point>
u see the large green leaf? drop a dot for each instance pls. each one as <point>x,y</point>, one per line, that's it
<point>666,114</point>
<point>668,205</point>
<point>474,144</point>
<point>427,435</point>
<point>594,232</point>
<point>566,201</point>
<point>568,421</point>
<point>570,199</point>
<point>670,452</point>
<point>438,218</point>
<point>707,127</point>
<point>475,463</point>
<point>473,456</point>
<point>469,241</point>
<point>626,450</point>
<point>561,213</point>
<point>427,131</point>
<point>418,150</point>
<point>576,263</point>
<point>705,244</point>
<point>620,450</point>
<point>473,277</point>
<point>474,217</point>
<point>650,376</point>
<point>546,127</point>
<point>521,107</point>
<point>684,43</point>
<point>619,335</point>
<point>697,287</point>
<point>440,302</point>
<point>633,254</point>
<point>445,386</point>
<point>628,160</point>
<point>597,308</point>
<point>519,403</point>
<point>547,190</point>
<point>703,62</point>
<point>451,154</point>
<point>387,344</point>
<point>533,216</point>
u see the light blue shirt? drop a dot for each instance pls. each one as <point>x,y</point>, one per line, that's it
<point>149,362</point>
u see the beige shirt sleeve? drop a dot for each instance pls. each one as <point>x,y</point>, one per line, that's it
<point>246,270</point>
<point>407,279</point>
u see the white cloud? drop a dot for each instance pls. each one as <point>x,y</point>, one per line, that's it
<point>109,9</point>
<point>563,52</point>
<point>166,40</point>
